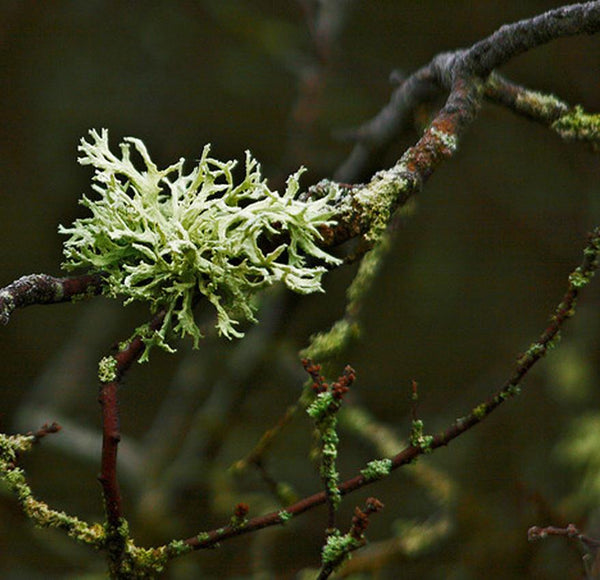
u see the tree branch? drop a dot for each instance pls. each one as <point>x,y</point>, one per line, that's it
<point>565,310</point>
<point>44,289</point>
<point>511,40</point>
<point>445,70</point>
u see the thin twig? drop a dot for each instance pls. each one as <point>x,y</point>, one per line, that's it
<point>46,429</point>
<point>335,555</point>
<point>44,289</point>
<point>571,531</point>
<point>111,436</point>
<point>578,278</point>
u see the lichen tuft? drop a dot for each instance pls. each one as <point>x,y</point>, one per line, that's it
<point>164,236</point>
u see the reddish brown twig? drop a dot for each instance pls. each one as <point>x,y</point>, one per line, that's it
<point>334,556</point>
<point>571,531</point>
<point>111,436</point>
<point>46,429</point>
<point>464,74</point>
<point>414,400</point>
<point>511,387</point>
<point>44,289</point>
<point>591,545</point>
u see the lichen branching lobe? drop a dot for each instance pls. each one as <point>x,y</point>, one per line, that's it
<point>164,236</point>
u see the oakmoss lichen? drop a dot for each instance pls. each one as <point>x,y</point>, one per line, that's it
<point>163,236</point>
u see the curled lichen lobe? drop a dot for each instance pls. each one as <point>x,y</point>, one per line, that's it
<point>165,236</point>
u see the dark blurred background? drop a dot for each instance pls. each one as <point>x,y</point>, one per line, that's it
<point>472,277</point>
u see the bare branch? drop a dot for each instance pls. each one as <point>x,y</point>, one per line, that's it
<point>44,289</point>
<point>46,429</point>
<point>571,531</point>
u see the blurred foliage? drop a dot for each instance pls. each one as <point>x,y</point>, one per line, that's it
<point>472,277</point>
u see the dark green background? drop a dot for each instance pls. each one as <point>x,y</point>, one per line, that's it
<point>472,278</point>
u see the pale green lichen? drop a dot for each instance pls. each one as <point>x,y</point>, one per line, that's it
<point>554,341</point>
<point>579,279</point>
<point>7,306</point>
<point>328,471</point>
<point>143,562</point>
<point>10,445</point>
<point>377,469</point>
<point>338,548</point>
<point>107,369</point>
<point>449,141</point>
<point>284,516</point>
<point>367,272</point>
<point>323,411</point>
<point>480,411</point>
<point>178,548</point>
<point>39,512</point>
<point>535,351</point>
<point>510,391</point>
<point>90,292</point>
<point>418,437</point>
<point>149,562</point>
<point>579,125</point>
<point>513,390</point>
<point>540,104</point>
<point>164,236</point>
<point>136,562</point>
<point>320,407</point>
<point>379,198</point>
<point>325,345</point>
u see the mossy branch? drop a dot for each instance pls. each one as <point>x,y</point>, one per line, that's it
<point>167,237</point>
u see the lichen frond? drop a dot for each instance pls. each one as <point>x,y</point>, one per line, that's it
<point>164,236</point>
